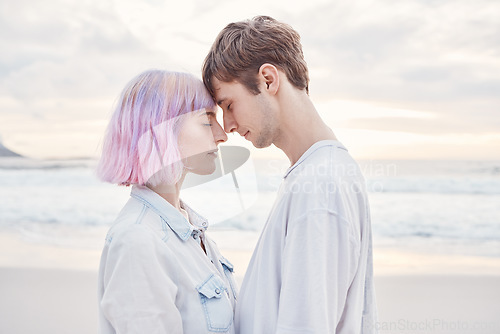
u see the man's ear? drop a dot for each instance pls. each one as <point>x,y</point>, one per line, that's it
<point>269,75</point>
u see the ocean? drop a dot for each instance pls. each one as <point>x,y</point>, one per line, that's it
<point>446,207</point>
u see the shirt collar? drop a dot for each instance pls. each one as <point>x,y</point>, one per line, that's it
<point>195,218</point>
<point>174,219</point>
<point>311,150</point>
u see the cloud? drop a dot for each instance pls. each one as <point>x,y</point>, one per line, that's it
<point>437,55</point>
<point>74,51</point>
<point>65,61</point>
<point>438,125</point>
<point>373,117</point>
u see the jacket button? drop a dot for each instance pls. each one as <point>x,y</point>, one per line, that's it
<point>217,291</point>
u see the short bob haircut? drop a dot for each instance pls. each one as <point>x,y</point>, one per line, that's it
<point>141,141</point>
<point>241,48</point>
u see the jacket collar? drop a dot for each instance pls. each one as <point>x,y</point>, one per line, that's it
<point>172,217</point>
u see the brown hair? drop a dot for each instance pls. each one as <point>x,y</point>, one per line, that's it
<point>242,47</point>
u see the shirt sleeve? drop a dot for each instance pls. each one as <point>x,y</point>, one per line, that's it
<point>319,262</point>
<point>139,293</point>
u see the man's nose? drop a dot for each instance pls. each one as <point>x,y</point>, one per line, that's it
<point>229,123</point>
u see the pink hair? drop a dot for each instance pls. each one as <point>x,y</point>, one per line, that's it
<point>140,144</point>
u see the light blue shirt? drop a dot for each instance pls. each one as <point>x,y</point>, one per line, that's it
<point>154,276</point>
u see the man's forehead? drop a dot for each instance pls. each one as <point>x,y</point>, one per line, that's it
<point>218,91</point>
<point>215,83</point>
<point>221,90</point>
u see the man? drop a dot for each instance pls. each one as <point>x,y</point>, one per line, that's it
<point>311,271</point>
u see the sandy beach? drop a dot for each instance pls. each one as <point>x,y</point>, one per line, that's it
<point>49,289</point>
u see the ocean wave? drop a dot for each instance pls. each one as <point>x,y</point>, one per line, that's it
<point>428,208</point>
<point>7,163</point>
<point>439,185</point>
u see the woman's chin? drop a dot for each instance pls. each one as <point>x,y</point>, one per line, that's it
<point>207,169</point>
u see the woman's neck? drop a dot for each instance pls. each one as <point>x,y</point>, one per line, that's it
<point>170,192</point>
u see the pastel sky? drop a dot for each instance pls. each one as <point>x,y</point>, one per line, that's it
<point>412,79</point>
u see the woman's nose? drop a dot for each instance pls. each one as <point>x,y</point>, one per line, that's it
<point>219,134</point>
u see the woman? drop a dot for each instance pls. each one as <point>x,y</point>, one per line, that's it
<point>159,272</point>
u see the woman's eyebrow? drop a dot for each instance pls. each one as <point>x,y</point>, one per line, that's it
<point>208,113</point>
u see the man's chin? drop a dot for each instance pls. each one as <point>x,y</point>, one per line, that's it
<point>263,140</point>
<point>259,144</point>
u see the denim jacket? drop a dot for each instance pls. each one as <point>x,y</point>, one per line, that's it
<point>154,277</point>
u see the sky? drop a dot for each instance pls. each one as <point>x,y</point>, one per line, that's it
<point>407,79</point>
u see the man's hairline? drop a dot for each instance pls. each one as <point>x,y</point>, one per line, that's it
<point>234,80</point>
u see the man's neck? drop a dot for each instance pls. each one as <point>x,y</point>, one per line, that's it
<point>300,128</point>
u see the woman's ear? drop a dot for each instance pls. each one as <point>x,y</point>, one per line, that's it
<point>270,78</point>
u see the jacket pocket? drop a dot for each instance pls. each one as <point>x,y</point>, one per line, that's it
<point>216,304</point>
<point>228,271</point>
